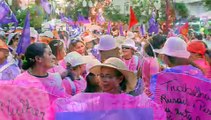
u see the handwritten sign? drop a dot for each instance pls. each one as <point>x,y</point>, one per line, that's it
<point>18,103</point>
<point>183,97</point>
<point>127,114</point>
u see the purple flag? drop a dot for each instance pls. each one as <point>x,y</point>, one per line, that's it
<point>121,30</point>
<point>109,28</point>
<point>51,27</point>
<point>5,10</point>
<point>153,25</point>
<point>142,30</point>
<point>100,18</point>
<point>82,19</point>
<point>24,41</point>
<point>6,15</point>
<point>46,6</point>
<point>68,20</point>
<point>67,28</point>
<point>61,16</point>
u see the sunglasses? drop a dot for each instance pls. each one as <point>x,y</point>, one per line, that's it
<point>125,47</point>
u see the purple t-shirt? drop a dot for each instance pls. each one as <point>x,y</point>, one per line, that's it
<point>10,72</point>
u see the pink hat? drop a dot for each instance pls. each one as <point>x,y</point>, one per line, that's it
<point>175,47</point>
<point>107,42</point>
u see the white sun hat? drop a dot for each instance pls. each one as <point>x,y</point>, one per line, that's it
<point>107,42</point>
<point>75,59</point>
<point>48,34</point>
<point>130,43</point>
<point>130,35</point>
<point>175,47</point>
<point>88,38</point>
<point>120,40</point>
<point>33,32</point>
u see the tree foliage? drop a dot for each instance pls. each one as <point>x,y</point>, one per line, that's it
<point>207,3</point>
<point>37,16</point>
<point>181,10</point>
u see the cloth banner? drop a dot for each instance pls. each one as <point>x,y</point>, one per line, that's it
<point>19,103</point>
<point>184,97</point>
<point>128,114</point>
<point>96,103</point>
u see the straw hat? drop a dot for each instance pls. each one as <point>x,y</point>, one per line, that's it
<point>107,42</point>
<point>130,43</point>
<point>92,63</point>
<point>75,59</point>
<point>119,65</point>
<point>175,47</point>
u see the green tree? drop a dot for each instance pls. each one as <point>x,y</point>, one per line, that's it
<point>207,3</point>
<point>113,14</point>
<point>37,16</point>
<point>182,10</point>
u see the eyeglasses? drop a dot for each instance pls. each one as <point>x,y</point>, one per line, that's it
<point>125,47</point>
<point>106,77</point>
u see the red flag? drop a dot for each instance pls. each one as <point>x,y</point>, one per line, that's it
<point>184,29</point>
<point>133,19</point>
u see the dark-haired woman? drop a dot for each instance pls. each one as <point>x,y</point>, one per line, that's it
<point>8,70</point>
<point>38,60</point>
<point>150,64</point>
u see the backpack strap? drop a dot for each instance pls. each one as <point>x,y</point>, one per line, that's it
<point>73,87</point>
<point>5,67</point>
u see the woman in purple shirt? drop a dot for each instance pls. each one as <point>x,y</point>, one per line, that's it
<point>8,70</point>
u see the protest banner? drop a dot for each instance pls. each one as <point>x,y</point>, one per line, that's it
<point>184,97</point>
<point>126,114</point>
<point>108,106</point>
<point>18,103</point>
